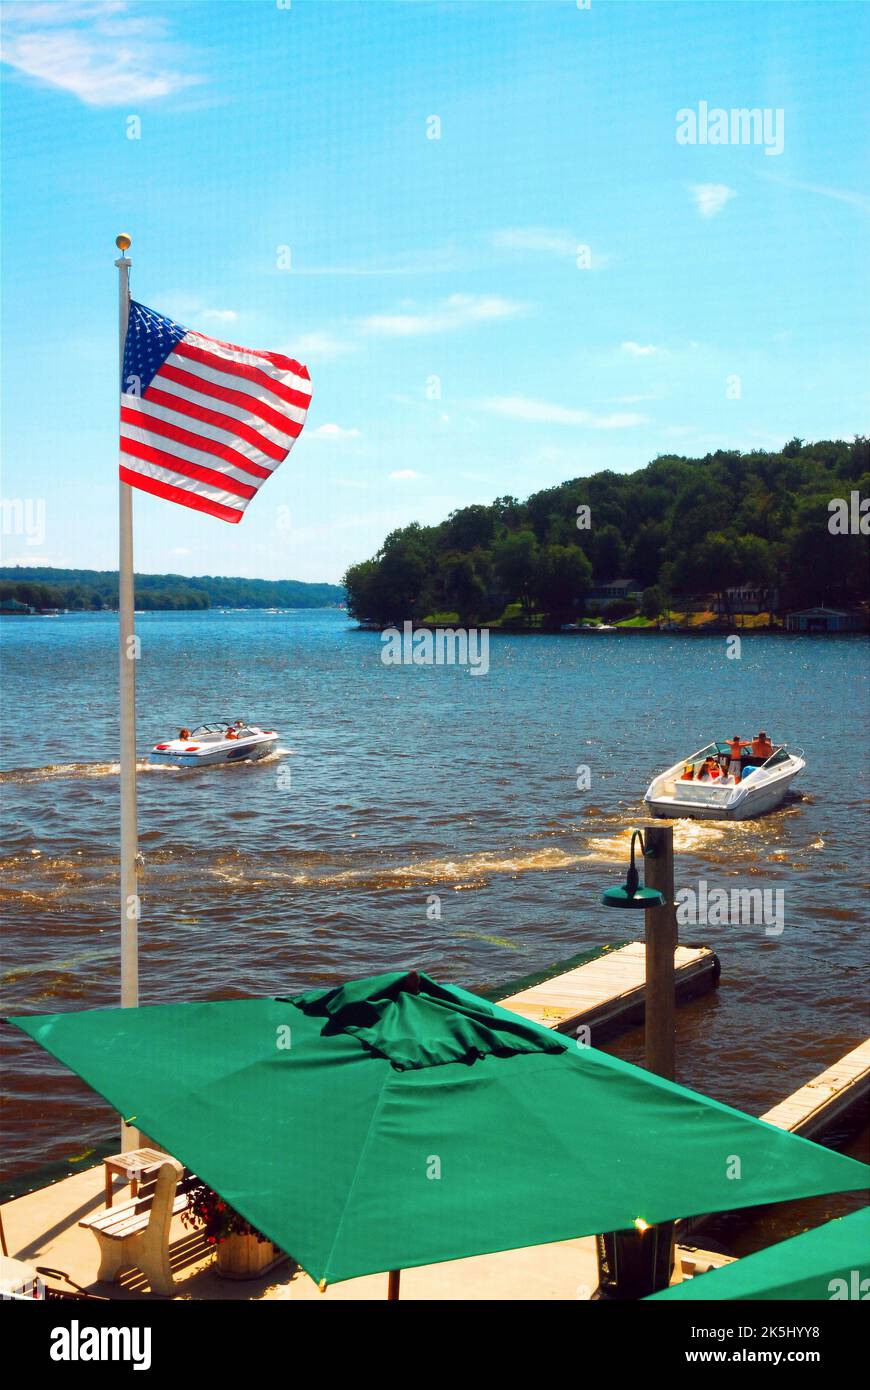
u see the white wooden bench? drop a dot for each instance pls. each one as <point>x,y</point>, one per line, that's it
<point>137,1232</point>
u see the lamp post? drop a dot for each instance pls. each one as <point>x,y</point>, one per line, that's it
<point>639,1261</point>
<point>656,900</point>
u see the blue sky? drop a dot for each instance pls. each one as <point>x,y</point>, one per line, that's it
<point>457,348</point>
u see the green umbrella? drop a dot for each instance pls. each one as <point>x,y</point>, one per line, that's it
<point>831,1262</point>
<point>394,1122</point>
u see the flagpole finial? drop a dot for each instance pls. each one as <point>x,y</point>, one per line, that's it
<point>123,241</point>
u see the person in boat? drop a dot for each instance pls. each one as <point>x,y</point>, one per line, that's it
<point>762,747</point>
<point>735,752</point>
<point>231,733</point>
<point>688,774</point>
<point>184,733</point>
<point>710,771</point>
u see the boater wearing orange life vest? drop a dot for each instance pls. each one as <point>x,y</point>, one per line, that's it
<point>762,747</point>
<point>735,749</point>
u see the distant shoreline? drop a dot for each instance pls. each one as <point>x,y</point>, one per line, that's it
<point>46,589</point>
<point>142,612</point>
<point>721,630</point>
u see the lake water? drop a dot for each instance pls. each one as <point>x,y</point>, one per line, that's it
<point>406,782</point>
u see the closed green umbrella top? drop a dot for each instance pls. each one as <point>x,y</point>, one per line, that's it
<point>831,1262</point>
<point>395,1122</point>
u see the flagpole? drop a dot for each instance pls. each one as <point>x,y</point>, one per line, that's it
<point>127,656</point>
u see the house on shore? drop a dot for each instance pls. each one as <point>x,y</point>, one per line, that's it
<point>822,619</point>
<point>747,598</point>
<point>615,588</point>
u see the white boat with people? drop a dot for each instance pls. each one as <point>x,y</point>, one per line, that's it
<point>223,741</point>
<point>730,779</point>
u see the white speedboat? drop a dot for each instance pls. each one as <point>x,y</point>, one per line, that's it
<point>761,785</point>
<point>226,741</point>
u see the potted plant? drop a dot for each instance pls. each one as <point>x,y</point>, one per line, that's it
<point>243,1252</point>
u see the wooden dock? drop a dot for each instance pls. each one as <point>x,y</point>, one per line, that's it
<point>815,1106</point>
<point>607,993</point>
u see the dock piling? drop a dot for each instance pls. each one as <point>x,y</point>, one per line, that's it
<point>660,935</point>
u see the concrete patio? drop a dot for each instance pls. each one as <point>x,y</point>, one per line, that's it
<point>42,1229</point>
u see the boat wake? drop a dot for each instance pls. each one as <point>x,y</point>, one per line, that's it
<point>469,871</point>
<point>22,776</point>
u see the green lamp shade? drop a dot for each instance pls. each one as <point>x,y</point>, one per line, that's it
<point>640,898</point>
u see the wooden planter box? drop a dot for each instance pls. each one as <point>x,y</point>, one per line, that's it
<point>245,1257</point>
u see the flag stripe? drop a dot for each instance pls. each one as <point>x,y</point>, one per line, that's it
<point>150,422</point>
<point>251,405</point>
<point>177,494</point>
<point>179,449</point>
<point>253,391</point>
<point>239,414</point>
<point>214,417</point>
<point>175,464</point>
<point>240,354</point>
<point>171,478</point>
<point>204,435</point>
<point>293,395</point>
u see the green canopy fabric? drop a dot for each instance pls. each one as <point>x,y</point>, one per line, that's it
<point>395,1122</point>
<point>831,1262</point>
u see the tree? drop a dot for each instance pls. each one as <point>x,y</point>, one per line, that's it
<point>462,587</point>
<point>470,528</point>
<point>363,599</point>
<point>645,555</point>
<point>515,559</point>
<point>608,552</point>
<point>405,564</point>
<point>652,603</point>
<point>561,578</point>
<point>717,560</point>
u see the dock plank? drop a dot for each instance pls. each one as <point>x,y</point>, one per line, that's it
<point>814,1106</point>
<point>608,992</point>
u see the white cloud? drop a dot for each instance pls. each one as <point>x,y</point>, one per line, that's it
<point>639,349</point>
<point>545,412</point>
<point>50,11</point>
<point>221,315</point>
<point>840,195</point>
<point>555,243</point>
<point>710,198</point>
<point>548,241</point>
<point>457,311</point>
<point>335,432</point>
<point>99,53</point>
<point>404,473</point>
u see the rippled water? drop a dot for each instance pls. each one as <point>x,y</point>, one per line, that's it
<point>406,782</point>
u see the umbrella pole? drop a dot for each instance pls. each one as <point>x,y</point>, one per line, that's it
<point>638,1262</point>
<point>393,1285</point>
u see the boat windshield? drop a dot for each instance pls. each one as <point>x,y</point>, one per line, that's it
<point>712,750</point>
<point>220,728</point>
<point>779,756</point>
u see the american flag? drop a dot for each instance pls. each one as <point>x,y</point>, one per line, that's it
<point>204,423</point>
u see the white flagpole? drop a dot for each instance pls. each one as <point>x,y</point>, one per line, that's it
<point>127,656</point>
